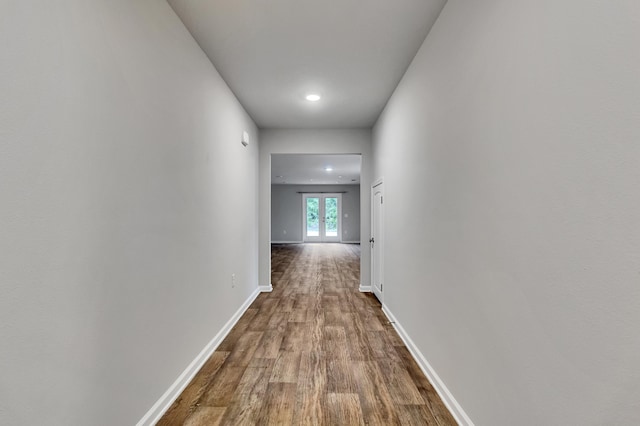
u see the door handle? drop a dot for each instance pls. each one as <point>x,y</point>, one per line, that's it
<point>372,240</point>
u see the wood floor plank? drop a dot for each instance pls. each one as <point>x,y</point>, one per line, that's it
<point>429,394</point>
<point>343,409</point>
<point>375,400</point>
<point>333,316</point>
<point>248,398</point>
<point>220,391</point>
<point>335,343</point>
<point>186,402</point>
<point>269,345</point>
<point>393,336</point>
<point>262,363</point>
<point>269,305</point>
<point>415,415</point>
<point>380,346</point>
<point>238,330</point>
<point>279,404</point>
<point>340,378</point>
<point>358,343</point>
<point>298,315</point>
<point>244,349</point>
<point>296,337</point>
<point>260,321</point>
<point>286,368</point>
<point>389,335</point>
<point>401,387</point>
<point>316,333</point>
<point>311,389</point>
<point>278,321</point>
<point>303,301</point>
<point>210,416</point>
<point>287,304</point>
<point>370,320</point>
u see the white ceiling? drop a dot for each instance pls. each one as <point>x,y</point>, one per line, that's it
<point>309,169</point>
<point>273,52</point>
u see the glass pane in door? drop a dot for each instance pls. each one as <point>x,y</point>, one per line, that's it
<point>331,216</point>
<point>313,217</point>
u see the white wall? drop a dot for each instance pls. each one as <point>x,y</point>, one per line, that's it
<point>287,215</point>
<point>313,141</point>
<point>510,155</point>
<point>126,201</point>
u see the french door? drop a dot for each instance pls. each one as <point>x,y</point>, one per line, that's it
<point>321,217</point>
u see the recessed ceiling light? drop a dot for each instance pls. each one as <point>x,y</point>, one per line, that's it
<point>339,177</point>
<point>328,169</point>
<point>312,97</point>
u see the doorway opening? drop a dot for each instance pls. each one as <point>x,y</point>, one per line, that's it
<point>315,198</point>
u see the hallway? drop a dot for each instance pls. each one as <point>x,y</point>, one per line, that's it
<point>314,351</point>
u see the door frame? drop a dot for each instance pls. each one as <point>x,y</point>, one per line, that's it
<point>321,238</point>
<point>377,241</point>
<point>343,142</point>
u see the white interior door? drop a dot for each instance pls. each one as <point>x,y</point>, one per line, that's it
<point>377,239</point>
<point>321,217</point>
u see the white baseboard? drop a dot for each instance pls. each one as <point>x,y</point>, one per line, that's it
<point>164,403</point>
<point>365,288</point>
<point>454,408</point>
<point>265,288</point>
<point>350,242</point>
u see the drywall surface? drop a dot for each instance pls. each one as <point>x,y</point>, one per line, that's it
<point>286,211</point>
<point>126,203</point>
<point>510,155</point>
<point>313,141</point>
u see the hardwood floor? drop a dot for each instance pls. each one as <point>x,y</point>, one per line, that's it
<point>315,351</point>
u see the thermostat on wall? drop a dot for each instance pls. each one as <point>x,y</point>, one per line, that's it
<point>245,138</point>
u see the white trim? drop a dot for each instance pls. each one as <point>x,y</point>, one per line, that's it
<point>164,403</point>
<point>265,288</point>
<point>350,242</point>
<point>365,288</point>
<point>454,408</point>
<point>286,242</point>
